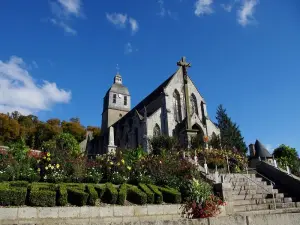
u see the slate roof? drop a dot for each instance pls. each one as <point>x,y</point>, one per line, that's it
<point>151,102</point>
<point>261,151</point>
<point>119,88</point>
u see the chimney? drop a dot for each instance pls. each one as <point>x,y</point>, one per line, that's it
<point>252,150</point>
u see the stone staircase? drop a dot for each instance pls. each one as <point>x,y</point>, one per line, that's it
<point>252,194</point>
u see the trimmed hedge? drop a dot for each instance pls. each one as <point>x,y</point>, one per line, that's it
<point>23,184</point>
<point>93,195</point>
<point>122,194</point>
<point>76,194</point>
<point>100,188</point>
<point>11,195</point>
<point>42,194</point>
<point>110,194</point>
<point>62,195</point>
<point>149,193</point>
<point>170,195</point>
<point>158,197</point>
<point>136,195</point>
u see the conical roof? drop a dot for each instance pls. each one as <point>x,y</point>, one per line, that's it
<point>261,151</point>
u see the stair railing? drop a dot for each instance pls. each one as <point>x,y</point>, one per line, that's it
<point>271,182</point>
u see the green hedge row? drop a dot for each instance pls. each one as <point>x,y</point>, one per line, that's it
<point>18,193</point>
<point>11,193</point>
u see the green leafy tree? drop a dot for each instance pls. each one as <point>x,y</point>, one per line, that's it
<point>62,145</point>
<point>231,136</point>
<point>287,156</point>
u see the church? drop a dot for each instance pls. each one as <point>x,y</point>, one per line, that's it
<point>174,108</point>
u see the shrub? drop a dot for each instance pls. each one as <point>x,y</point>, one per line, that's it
<point>93,195</point>
<point>100,190</point>
<point>77,195</point>
<point>111,194</point>
<point>118,178</point>
<point>149,193</point>
<point>62,198</point>
<point>12,195</point>
<point>122,194</point>
<point>162,142</point>
<point>158,197</point>
<point>23,184</point>
<point>4,175</point>
<point>135,195</point>
<point>42,194</point>
<point>93,176</point>
<point>170,195</point>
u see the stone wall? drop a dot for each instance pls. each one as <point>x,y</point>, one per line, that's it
<point>131,215</point>
<point>290,183</point>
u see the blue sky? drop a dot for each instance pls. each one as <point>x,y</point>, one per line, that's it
<point>59,57</point>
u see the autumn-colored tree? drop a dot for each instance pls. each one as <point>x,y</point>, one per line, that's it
<point>96,130</point>
<point>74,128</point>
<point>9,129</point>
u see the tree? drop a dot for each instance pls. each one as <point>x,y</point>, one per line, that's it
<point>74,128</point>
<point>231,136</point>
<point>9,129</point>
<point>62,145</point>
<point>96,130</point>
<point>287,156</point>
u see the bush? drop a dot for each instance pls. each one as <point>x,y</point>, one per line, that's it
<point>158,197</point>
<point>135,195</point>
<point>4,175</point>
<point>42,194</point>
<point>100,190</point>
<point>77,195</point>
<point>23,184</point>
<point>12,195</point>
<point>161,143</point>
<point>93,195</point>
<point>122,194</point>
<point>93,176</point>
<point>118,178</point>
<point>149,193</point>
<point>111,194</point>
<point>170,195</point>
<point>62,198</point>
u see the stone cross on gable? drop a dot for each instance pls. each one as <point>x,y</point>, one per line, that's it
<point>184,64</point>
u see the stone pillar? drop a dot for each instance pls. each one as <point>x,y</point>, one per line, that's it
<point>111,148</point>
<point>225,190</point>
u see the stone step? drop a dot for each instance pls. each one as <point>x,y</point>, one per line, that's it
<point>254,207</point>
<point>252,187</point>
<point>269,211</point>
<point>241,179</point>
<point>261,201</point>
<point>257,196</point>
<point>244,183</point>
<point>252,192</point>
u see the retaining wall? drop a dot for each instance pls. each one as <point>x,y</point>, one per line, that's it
<point>290,183</point>
<point>130,215</point>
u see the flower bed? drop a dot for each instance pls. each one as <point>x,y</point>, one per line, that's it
<point>50,195</point>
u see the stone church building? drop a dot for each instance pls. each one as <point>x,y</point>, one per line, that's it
<point>175,108</point>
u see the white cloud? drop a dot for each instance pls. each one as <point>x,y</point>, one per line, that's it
<point>19,91</point>
<point>128,48</point>
<point>245,13</point>
<point>71,6</point>
<point>165,12</point>
<point>203,7</point>
<point>63,11</point>
<point>63,25</point>
<point>227,7</point>
<point>134,25</point>
<point>122,20</point>
<point>117,19</point>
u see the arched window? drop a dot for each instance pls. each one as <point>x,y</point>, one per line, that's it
<point>156,130</point>
<point>203,113</point>
<point>194,105</point>
<point>177,106</point>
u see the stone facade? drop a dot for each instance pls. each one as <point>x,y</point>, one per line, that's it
<point>163,112</point>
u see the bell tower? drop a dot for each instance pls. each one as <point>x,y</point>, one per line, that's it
<point>116,104</point>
